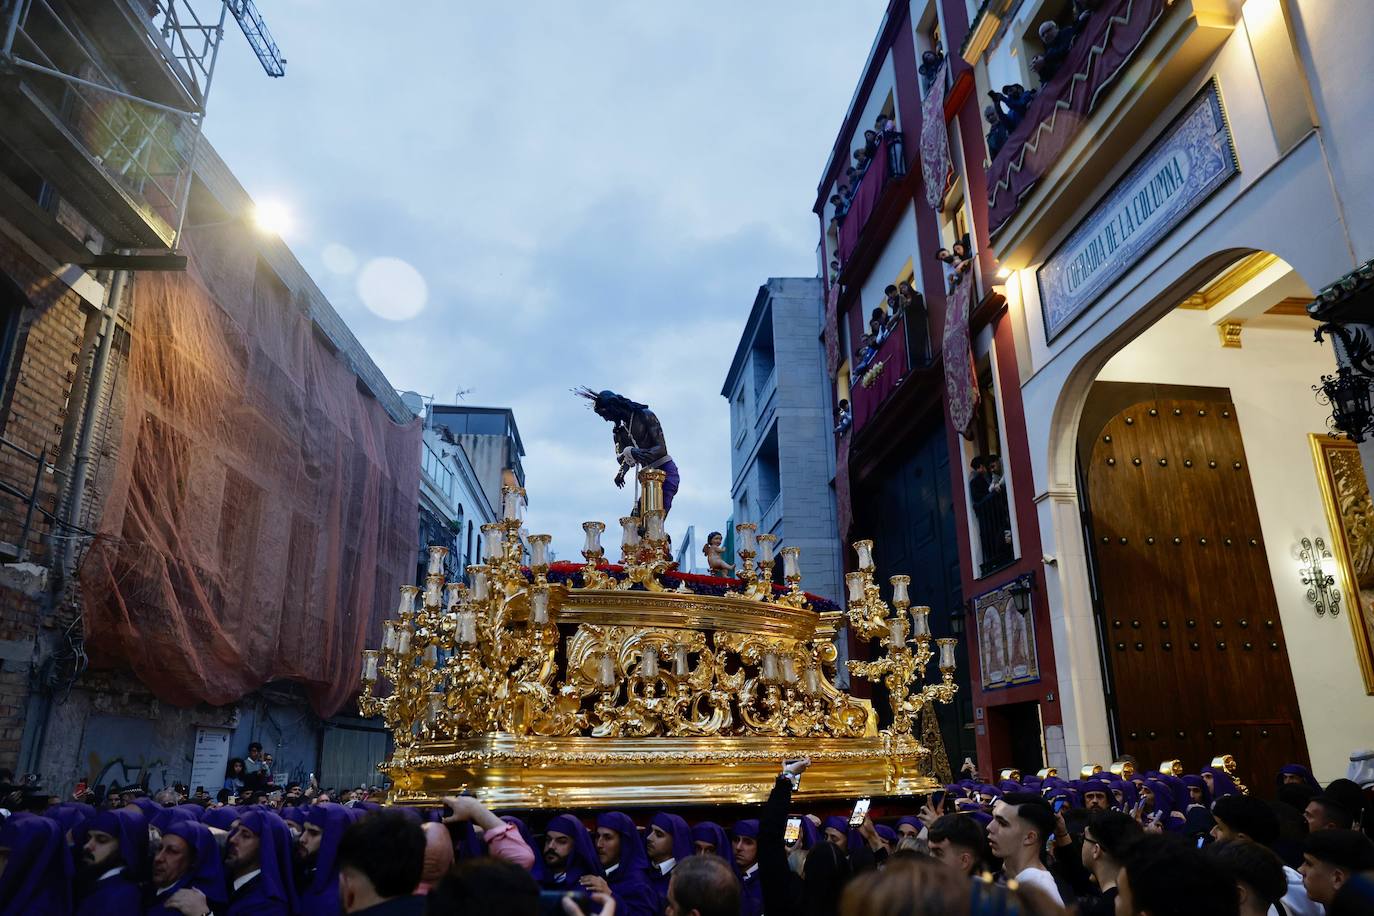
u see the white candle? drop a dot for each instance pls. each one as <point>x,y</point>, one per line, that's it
<point>648,664</point>
<point>436,705</point>
<point>813,680</point>
<point>467,627</point>
<point>605,670</point>
<point>680,660</point>
<point>407,605</point>
<point>431,655</point>
<point>920,622</point>
<point>629,532</point>
<point>539,549</point>
<point>434,591</point>
<point>766,543</point>
<point>789,669</point>
<point>655,525</point>
<point>491,541</point>
<point>370,665</point>
<point>791,562</point>
<point>856,584</point>
<point>455,593</point>
<point>389,636</point>
<point>946,653</point>
<point>478,589</point>
<point>512,504</point>
<point>436,559</point>
<point>402,640</point>
<point>744,534</point>
<point>900,593</point>
<point>770,666</point>
<point>539,606</point>
<point>593,542</point>
<point>865,551</point>
<point>896,632</point>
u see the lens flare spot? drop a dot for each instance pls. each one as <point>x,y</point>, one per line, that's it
<point>392,289</point>
<point>339,259</point>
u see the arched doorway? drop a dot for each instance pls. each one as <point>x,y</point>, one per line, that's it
<point>1188,437</point>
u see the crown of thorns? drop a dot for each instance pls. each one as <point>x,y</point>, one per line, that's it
<point>600,400</point>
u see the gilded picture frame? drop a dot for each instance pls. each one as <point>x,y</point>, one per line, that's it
<point>1350,516</point>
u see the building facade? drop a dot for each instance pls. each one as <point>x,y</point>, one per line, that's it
<point>781,462</point>
<point>208,486</point>
<point>1132,339</point>
<point>453,504</point>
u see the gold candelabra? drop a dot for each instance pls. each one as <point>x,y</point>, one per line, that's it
<point>512,682</point>
<point>899,670</point>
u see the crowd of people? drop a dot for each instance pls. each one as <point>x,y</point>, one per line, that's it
<point>1008,107</point>
<point>1134,843</point>
<point>863,157</point>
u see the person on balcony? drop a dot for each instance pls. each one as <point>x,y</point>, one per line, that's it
<point>1016,99</point>
<point>845,418</point>
<point>878,326</point>
<point>870,142</point>
<point>998,129</point>
<point>913,308</point>
<point>929,68</point>
<point>868,351</point>
<point>1057,40</point>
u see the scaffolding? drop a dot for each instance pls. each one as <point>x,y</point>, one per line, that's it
<point>106,101</point>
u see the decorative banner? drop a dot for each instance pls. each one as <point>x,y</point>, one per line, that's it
<point>1178,172</point>
<point>961,383</point>
<point>935,163</point>
<point>1006,640</point>
<point>831,328</point>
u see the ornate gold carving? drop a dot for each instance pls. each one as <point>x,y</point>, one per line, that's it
<point>1229,332</point>
<point>660,687</point>
<point>1350,516</point>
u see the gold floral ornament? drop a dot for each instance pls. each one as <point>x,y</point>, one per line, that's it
<point>533,687</point>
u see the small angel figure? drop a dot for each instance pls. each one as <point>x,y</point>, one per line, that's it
<point>713,550</point>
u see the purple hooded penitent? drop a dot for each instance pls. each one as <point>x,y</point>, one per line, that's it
<point>629,879</point>
<point>169,816</point>
<point>276,883</point>
<point>1297,769</point>
<point>583,860</point>
<point>206,875</point>
<point>676,828</point>
<point>320,897</point>
<point>1197,782</point>
<point>221,818</point>
<point>38,873</point>
<point>537,869</point>
<point>852,836</point>
<point>713,833</point>
<point>1222,783</point>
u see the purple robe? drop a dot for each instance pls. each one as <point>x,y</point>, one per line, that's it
<point>118,895</point>
<point>750,887</point>
<point>272,892</point>
<point>713,833</point>
<point>206,874</point>
<point>38,874</point>
<point>676,828</point>
<point>320,895</point>
<point>629,878</point>
<point>583,860</point>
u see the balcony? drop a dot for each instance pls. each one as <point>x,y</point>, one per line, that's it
<point>103,101</point>
<point>887,369</point>
<point>1134,59</point>
<point>889,165</point>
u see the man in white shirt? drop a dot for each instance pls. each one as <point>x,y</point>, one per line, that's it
<point>1021,824</point>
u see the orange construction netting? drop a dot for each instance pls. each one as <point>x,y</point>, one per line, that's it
<point>263,509</point>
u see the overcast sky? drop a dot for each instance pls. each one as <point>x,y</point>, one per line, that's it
<point>581,193</point>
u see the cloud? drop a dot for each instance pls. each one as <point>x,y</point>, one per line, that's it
<point>592,194</point>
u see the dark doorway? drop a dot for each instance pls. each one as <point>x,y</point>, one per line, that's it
<point>906,507</point>
<point>1020,723</point>
<point>1189,622</point>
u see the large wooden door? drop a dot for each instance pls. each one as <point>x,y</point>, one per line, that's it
<point>1190,624</point>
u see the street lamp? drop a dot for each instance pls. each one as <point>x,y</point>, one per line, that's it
<point>1347,391</point>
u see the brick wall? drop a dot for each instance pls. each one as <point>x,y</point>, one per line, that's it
<point>44,362</point>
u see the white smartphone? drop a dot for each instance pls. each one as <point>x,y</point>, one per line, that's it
<point>793,831</point>
<point>856,818</point>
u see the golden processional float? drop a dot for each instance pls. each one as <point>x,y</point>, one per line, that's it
<point>572,686</point>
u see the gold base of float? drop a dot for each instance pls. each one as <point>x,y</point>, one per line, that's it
<point>521,772</point>
<point>554,685</point>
